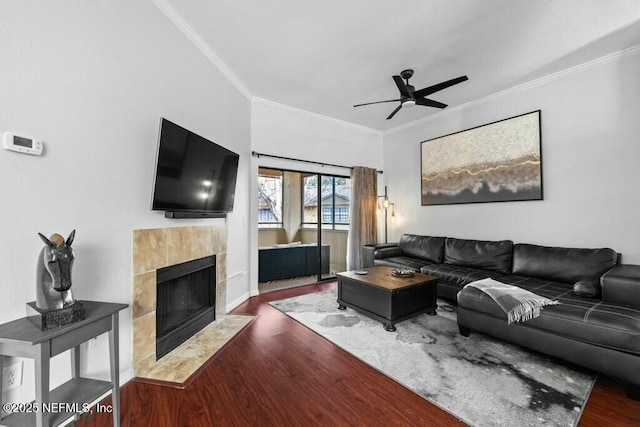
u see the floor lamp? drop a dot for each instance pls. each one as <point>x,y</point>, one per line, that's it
<point>386,205</point>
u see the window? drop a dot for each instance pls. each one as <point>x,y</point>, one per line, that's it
<point>335,199</point>
<point>269,198</point>
<point>342,215</point>
<point>265,215</point>
<point>337,215</point>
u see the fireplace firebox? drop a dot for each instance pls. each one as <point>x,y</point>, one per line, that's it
<point>185,303</point>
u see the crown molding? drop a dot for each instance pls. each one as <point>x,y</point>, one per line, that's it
<point>201,45</point>
<point>606,59</point>
<point>261,101</point>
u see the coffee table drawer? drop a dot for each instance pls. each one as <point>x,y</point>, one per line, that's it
<point>369,298</point>
<point>412,300</point>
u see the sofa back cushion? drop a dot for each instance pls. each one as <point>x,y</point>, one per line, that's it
<point>427,248</point>
<point>569,265</point>
<point>488,255</point>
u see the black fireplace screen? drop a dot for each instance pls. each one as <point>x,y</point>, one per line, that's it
<point>185,302</point>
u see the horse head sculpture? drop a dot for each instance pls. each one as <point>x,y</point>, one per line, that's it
<point>53,287</point>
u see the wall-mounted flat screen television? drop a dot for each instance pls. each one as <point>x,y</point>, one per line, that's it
<point>194,177</point>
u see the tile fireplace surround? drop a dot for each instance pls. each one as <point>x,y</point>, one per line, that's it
<point>161,247</point>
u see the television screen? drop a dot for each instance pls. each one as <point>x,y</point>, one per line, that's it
<point>193,174</point>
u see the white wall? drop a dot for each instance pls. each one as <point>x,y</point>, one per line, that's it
<point>590,154</point>
<point>92,79</point>
<point>288,132</point>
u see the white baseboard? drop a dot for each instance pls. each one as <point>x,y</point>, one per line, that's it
<point>233,304</point>
<point>126,376</point>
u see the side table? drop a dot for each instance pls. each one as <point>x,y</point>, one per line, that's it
<point>21,338</point>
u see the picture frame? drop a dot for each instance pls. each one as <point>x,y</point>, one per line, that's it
<point>496,162</point>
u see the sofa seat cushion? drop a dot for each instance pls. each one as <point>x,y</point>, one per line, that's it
<point>401,262</point>
<point>581,318</point>
<point>458,275</point>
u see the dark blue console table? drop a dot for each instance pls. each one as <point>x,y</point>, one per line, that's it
<point>288,262</point>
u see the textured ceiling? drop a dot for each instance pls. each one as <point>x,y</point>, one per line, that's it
<point>325,56</point>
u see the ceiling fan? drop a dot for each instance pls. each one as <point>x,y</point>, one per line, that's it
<point>409,96</point>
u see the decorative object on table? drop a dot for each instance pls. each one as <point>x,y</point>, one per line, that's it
<point>402,272</point>
<point>54,304</point>
<point>497,162</point>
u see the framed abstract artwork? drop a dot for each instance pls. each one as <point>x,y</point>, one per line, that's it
<point>496,162</point>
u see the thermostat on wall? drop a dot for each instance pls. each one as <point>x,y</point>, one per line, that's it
<point>22,143</point>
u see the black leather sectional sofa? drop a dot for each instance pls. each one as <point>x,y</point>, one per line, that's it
<point>597,324</point>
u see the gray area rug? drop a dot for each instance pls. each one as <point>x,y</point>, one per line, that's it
<point>481,380</point>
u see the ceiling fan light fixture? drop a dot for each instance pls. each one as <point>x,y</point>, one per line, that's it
<point>409,103</point>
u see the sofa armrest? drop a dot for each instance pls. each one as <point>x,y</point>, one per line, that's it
<point>388,252</point>
<point>385,245</point>
<point>621,285</point>
<point>367,254</point>
<point>370,252</point>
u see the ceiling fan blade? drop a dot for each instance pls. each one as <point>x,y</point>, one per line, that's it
<point>435,88</point>
<point>404,90</point>
<point>430,103</point>
<point>377,102</point>
<point>393,113</point>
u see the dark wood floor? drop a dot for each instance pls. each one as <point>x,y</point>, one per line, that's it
<point>279,373</point>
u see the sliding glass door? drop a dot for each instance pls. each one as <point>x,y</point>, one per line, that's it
<point>303,221</point>
<point>326,213</point>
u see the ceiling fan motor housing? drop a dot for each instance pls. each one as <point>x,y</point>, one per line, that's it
<point>408,101</point>
<point>411,89</point>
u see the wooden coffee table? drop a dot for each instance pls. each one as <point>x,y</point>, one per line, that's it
<point>387,298</point>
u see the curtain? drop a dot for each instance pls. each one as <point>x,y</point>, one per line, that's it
<point>363,226</point>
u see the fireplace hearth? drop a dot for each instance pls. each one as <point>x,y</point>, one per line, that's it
<point>186,295</point>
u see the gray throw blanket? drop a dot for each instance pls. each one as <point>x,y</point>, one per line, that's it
<point>519,304</point>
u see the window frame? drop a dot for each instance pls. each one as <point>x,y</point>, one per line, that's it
<point>328,225</point>
<point>272,225</point>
